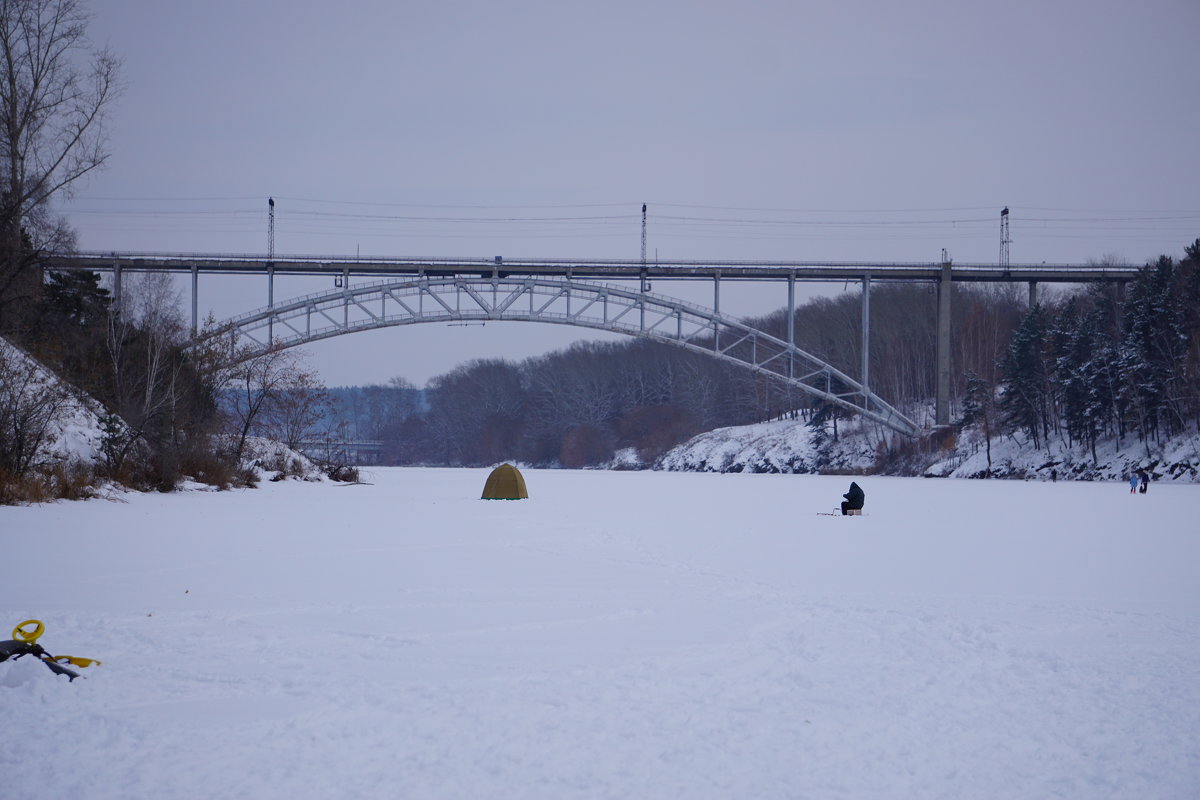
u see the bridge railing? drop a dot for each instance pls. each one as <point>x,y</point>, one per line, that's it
<point>744,269</point>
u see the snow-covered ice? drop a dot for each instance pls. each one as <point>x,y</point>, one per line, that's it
<point>617,635</point>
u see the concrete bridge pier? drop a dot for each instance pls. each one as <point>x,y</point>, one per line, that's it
<point>791,322</point>
<point>716,311</point>
<point>271,302</point>
<point>195,299</point>
<point>866,338</point>
<point>942,409</point>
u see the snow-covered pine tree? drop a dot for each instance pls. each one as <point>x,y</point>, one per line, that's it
<point>978,408</point>
<point>1024,385</point>
<point>1083,384</point>
<point>1154,350</point>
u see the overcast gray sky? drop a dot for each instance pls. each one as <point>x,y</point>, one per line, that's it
<point>773,130</point>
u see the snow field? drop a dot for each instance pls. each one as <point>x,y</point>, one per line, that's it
<point>619,634</point>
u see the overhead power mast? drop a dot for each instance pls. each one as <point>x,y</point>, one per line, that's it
<point>645,282</point>
<point>1005,240</point>
<point>643,235</point>
<point>1005,248</point>
<point>271,266</point>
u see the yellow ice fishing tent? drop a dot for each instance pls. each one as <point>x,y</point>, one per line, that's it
<point>505,483</point>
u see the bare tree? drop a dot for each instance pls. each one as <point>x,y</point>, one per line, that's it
<point>55,93</point>
<point>296,410</point>
<point>152,305</point>
<point>257,388</point>
<point>145,337</point>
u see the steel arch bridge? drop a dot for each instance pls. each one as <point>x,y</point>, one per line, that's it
<point>561,301</point>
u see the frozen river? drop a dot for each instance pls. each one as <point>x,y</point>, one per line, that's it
<point>617,635</point>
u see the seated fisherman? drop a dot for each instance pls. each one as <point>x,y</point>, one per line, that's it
<point>854,499</point>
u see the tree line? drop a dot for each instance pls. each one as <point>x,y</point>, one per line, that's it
<point>1105,362</point>
<point>577,406</point>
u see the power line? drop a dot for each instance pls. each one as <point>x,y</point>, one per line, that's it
<point>326,219</point>
<point>451,205</point>
<point>827,210</point>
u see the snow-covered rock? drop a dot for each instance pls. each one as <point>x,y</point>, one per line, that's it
<point>784,446</point>
<point>273,460</point>
<point>626,458</point>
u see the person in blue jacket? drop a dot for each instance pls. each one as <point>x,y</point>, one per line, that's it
<point>1133,481</point>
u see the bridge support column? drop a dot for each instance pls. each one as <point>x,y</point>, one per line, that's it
<point>866,339</point>
<point>271,303</point>
<point>791,328</point>
<point>1033,294</point>
<point>117,284</point>
<point>716,310</point>
<point>942,410</point>
<point>195,302</point>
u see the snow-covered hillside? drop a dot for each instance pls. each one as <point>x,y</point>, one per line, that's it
<point>786,446</point>
<point>74,431</point>
<point>793,447</point>
<point>1176,459</point>
<point>617,635</point>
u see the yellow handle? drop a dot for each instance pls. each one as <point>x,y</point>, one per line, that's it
<point>77,661</point>
<point>29,637</point>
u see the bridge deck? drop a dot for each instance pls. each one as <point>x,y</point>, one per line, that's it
<point>590,269</point>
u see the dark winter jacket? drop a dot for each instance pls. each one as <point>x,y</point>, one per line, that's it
<point>854,497</point>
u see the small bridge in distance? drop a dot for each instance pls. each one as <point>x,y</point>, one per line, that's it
<point>343,452</point>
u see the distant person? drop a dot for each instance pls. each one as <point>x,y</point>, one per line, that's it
<point>1054,476</point>
<point>1133,481</point>
<point>1145,479</point>
<point>854,499</point>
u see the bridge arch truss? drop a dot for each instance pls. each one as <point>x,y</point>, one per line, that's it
<point>560,301</point>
